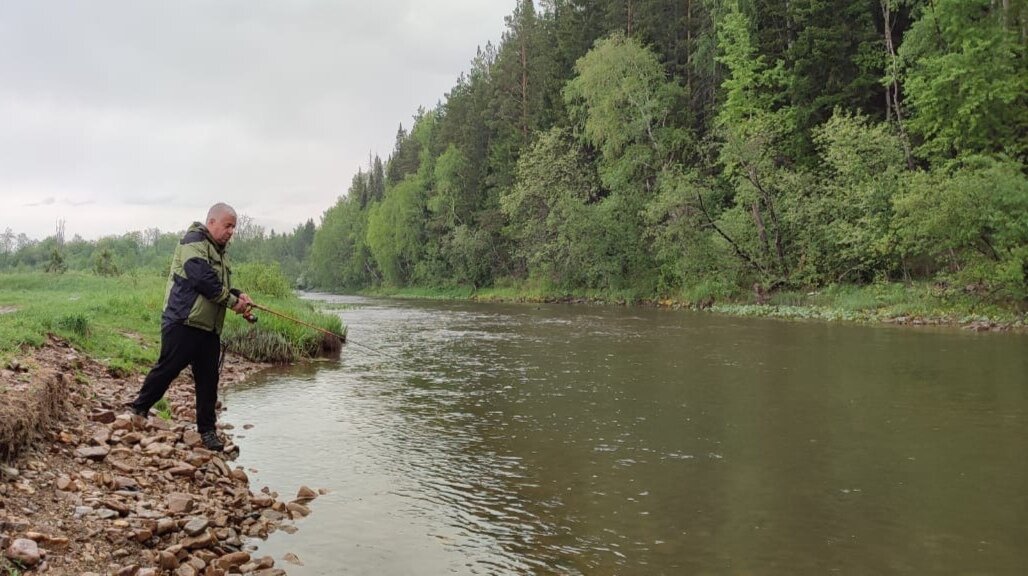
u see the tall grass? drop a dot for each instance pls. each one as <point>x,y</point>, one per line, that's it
<point>117,320</point>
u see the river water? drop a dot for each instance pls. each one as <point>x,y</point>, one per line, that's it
<point>526,439</point>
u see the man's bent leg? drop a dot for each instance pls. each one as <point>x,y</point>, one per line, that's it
<point>176,353</point>
<point>205,374</point>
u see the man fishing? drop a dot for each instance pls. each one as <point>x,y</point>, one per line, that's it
<point>199,292</point>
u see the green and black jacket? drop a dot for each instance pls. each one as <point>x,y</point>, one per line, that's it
<point>200,283</point>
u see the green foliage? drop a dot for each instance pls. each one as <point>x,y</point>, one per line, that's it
<point>258,279</point>
<point>395,230</point>
<point>76,323</point>
<point>163,409</point>
<point>845,216</point>
<point>965,79</point>
<point>973,219</point>
<point>103,263</point>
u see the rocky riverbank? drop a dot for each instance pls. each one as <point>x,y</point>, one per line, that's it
<point>86,488</point>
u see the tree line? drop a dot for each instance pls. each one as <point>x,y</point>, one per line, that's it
<point>691,148</point>
<point>698,148</point>
<point>149,251</point>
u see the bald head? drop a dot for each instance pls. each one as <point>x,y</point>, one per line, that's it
<point>221,222</point>
<point>218,210</point>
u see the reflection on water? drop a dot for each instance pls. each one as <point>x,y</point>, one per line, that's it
<point>507,439</point>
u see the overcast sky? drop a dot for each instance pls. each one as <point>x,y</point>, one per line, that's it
<point>127,115</point>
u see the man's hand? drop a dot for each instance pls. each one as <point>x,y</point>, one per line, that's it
<point>243,305</point>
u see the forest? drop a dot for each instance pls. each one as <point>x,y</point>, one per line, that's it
<point>688,149</point>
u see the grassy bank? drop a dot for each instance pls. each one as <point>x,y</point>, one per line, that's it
<point>117,320</point>
<point>917,303</point>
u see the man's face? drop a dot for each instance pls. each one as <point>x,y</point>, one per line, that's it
<point>222,227</point>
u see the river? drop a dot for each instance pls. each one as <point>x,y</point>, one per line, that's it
<point>555,439</point>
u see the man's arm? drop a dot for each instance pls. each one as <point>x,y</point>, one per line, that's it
<point>201,275</point>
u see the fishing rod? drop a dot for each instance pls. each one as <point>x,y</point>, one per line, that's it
<point>340,337</point>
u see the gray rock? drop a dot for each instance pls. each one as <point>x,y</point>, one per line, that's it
<point>92,452</point>
<point>106,514</point>
<point>24,551</point>
<point>195,526</point>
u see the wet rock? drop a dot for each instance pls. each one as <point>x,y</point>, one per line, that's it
<point>271,572</point>
<point>233,560</point>
<point>195,526</point>
<point>297,509</point>
<point>305,495</point>
<point>24,551</point>
<point>262,501</point>
<point>92,452</point>
<point>179,503</point>
<point>292,559</point>
<point>240,476</point>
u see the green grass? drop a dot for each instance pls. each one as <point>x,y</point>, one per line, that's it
<point>116,320</point>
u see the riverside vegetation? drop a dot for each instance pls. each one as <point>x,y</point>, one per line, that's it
<point>713,153</point>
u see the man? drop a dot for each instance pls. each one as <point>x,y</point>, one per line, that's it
<point>199,292</point>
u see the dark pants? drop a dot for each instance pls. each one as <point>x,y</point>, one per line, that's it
<point>183,346</point>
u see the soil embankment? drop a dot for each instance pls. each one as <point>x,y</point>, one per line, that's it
<point>87,488</point>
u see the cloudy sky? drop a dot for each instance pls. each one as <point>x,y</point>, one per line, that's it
<point>126,115</point>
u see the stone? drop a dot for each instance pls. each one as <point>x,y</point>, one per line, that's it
<point>203,540</point>
<point>9,472</point>
<point>81,511</point>
<point>147,572</point>
<point>160,449</point>
<point>102,436</point>
<point>240,476</point>
<point>106,514</point>
<point>122,422</point>
<point>165,525</point>
<point>192,438</point>
<point>63,482</point>
<point>292,559</point>
<point>305,495</point>
<point>24,551</point>
<point>186,570</point>
<point>270,572</point>
<point>233,560</point>
<point>195,526</point>
<point>167,561</point>
<point>92,452</point>
<point>297,509</point>
<point>130,570</point>
<point>104,417</point>
<point>179,503</point>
